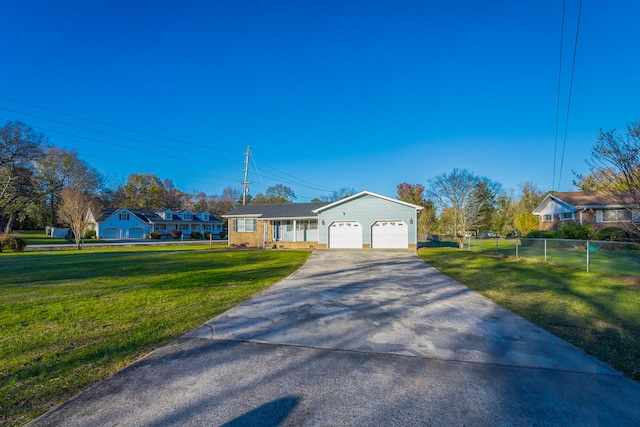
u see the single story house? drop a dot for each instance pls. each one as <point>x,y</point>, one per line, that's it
<point>122,223</point>
<point>599,209</point>
<point>363,221</point>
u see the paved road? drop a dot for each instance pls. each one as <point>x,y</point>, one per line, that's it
<point>362,338</point>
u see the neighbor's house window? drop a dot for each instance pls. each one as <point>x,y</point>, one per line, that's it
<point>184,226</point>
<point>206,226</point>
<point>547,217</point>
<point>124,217</point>
<point>566,216</point>
<point>613,215</point>
<point>242,225</point>
<point>161,226</point>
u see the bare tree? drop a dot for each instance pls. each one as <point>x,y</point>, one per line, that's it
<point>76,207</point>
<point>615,166</point>
<point>457,194</point>
<point>336,195</point>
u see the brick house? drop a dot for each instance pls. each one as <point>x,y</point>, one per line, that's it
<point>598,209</point>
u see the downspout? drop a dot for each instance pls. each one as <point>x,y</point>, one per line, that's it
<point>583,210</point>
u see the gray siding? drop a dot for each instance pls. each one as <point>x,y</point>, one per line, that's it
<point>366,210</point>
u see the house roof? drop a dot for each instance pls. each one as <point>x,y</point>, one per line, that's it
<point>149,216</point>
<point>589,199</point>
<point>284,210</point>
<point>366,193</point>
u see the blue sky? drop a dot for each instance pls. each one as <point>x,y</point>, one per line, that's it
<point>359,94</point>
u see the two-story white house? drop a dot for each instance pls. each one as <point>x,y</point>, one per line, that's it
<point>123,223</point>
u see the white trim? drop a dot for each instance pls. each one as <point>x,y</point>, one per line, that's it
<point>366,193</point>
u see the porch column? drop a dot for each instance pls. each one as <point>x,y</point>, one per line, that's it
<point>295,231</point>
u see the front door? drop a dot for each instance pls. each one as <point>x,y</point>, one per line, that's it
<point>277,231</point>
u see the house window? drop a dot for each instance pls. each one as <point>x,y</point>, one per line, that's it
<point>161,226</point>
<point>168,215</point>
<point>547,218</point>
<point>306,224</point>
<point>613,215</point>
<point>188,217</point>
<point>206,226</point>
<point>124,217</point>
<point>184,226</point>
<point>244,225</point>
<point>205,217</point>
<point>566,216</point>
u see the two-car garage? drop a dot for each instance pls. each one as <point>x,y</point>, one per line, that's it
<point>368,221</point>
<point>387,234</point>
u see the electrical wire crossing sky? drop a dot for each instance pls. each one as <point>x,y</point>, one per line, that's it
<point>328,95</point>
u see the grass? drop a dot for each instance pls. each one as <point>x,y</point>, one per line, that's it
<point>605,257</point>
<point>594,311</point>
<point>38,237</point>
<point>70,318</point>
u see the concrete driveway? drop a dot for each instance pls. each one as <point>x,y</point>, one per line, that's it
<point>362,338</point>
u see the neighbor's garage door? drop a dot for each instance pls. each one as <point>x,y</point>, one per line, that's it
<point>390,234</point>
<point>136,233</point>
<point>345,234</point>
<point>111,233</point>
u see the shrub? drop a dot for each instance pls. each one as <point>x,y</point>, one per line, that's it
<point>176,234</point>
<point>196,235</point>
<point>610,233</point>
<point>540,234</point>
<point>155,235</point>
<point>90,234</point>
<point>207,235</point>
<point>573,230</point>
<point>222,234</point>
<point>9,241</point>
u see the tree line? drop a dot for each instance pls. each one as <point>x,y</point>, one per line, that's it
<point>461,203</point>
<point>41,184</point>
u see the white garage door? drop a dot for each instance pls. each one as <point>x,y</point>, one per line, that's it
<point>345,234</point>
<point>136,233</point>
<point>390,234</point>
<point>111,233</point>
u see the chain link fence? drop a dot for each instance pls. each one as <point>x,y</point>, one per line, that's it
<point>615,258</point>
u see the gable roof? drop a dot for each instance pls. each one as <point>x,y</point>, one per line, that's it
<point>284,210</point>
<point>589,200</point>
<point>366,193</point>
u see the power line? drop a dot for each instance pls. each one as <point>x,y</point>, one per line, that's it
<point>280,175</point>
<point>114,126</point>
<point>128,147</point>
<point>555,143</point>
<point>116,135</point>
<point>573,66</point>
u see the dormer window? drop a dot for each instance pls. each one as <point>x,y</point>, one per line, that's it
<point>205,217</point>
<point>188,217</point>
<point>124,216</point>
<point>168,215</point>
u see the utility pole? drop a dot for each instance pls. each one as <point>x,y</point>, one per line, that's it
<point>246,173</point>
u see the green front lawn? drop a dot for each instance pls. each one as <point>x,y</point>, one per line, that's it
<point>70,318</point>
<point>597,312</point>
<point>38,237</point>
